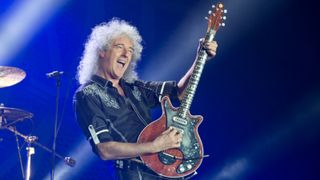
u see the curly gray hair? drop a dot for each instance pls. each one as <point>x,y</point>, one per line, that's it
<point>101,38</point>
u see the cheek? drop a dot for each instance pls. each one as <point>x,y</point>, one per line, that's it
<point>103,62</point>
<point>128,65</point>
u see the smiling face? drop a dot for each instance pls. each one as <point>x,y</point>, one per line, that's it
<point>115,61</point>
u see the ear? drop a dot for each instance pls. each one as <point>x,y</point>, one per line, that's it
<point>102,53</point>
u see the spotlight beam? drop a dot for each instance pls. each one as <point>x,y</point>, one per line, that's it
<point>22,22</point>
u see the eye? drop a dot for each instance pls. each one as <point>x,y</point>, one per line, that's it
<point>118,46</point>
<point>131,51</point>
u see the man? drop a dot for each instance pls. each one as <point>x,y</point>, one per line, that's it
<point>112,106</point>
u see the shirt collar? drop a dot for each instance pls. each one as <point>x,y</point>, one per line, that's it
<point>106,83</point>
<point>101,81</point>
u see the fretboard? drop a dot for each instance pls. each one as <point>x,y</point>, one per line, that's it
<point>195,77</point>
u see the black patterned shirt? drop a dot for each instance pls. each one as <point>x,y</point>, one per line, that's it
<point>104,115</point>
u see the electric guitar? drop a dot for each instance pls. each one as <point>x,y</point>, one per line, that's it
<point>185,160</point>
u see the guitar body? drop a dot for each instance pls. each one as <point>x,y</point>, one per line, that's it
<point>177,162</point>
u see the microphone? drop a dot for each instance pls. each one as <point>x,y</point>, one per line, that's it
<point>69,161</point>
<point>54,74</point>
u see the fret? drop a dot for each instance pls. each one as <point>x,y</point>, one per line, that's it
<point>196,75</point>
<point>194,79</point>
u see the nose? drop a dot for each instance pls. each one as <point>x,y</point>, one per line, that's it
<point>126,53</point>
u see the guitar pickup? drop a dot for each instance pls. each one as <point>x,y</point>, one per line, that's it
<point>179,120</point>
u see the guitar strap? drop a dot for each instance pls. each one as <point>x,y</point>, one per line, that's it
<point>136,111</point>
<point>161,91</point>
<point>135,108</point>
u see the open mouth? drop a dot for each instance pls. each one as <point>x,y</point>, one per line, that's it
<point>121,62</point>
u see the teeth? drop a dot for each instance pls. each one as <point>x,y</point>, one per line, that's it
<point>121,62</point>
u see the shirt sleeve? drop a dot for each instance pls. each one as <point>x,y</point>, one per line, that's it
<point>94,123</point>
<point>154,91</point>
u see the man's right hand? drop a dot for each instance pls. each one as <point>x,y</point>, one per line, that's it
<point>170,138</point>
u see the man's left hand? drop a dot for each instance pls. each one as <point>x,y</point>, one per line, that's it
<point>211,48</point>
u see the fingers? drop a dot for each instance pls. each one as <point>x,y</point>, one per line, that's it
<point>167,131</point>
<point>211,45</point>
<point>211,48</point>
<point>176,137</point>
<point>170,138</point>
<point>172,131</point>
<point>208,45</point>
<point>178,142</point>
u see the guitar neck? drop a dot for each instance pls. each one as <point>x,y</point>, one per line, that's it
<point>195,77</point>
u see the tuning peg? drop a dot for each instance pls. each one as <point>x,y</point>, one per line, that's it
<point>210,12</point>
<point>222,24</point>
<point>206,18</point>
<point>213,6</point>
<point>224,17</point>
<point>225,11</point>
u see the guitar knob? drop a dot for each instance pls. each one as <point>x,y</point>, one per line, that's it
<point>189,166</point>
<point>182,169</point>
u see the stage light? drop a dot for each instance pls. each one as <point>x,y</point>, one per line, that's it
<point>63,171</point>
<point>22,22</point>
<point>180,49</point>
<point>232,170</point>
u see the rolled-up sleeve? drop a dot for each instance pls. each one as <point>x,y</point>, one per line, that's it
<point>94,123</point>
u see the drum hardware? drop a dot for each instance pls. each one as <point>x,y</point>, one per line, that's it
<point>10,116</point>
<point>33,140</point>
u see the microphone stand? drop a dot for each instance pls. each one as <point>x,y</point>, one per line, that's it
<point>57,76</point>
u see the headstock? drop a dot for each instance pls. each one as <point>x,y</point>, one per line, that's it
<point>216,17</point>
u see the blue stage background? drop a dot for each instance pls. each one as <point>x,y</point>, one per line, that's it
<point>260,96</point>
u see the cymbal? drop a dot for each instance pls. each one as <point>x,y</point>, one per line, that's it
<point>10,76</point>
<point>12,115</point>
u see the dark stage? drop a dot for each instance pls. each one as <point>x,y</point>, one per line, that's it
<point>260,95</point>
